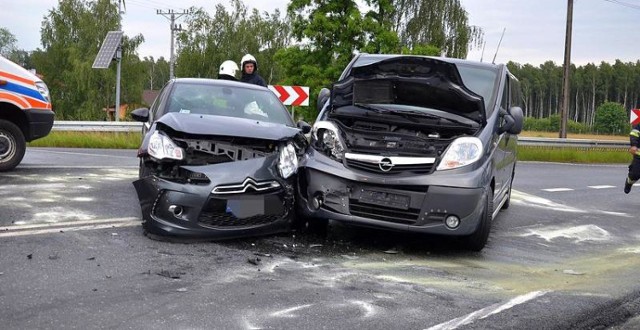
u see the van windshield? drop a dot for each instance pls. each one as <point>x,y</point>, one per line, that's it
<point>481,81</point>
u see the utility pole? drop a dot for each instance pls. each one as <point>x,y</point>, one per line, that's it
<point>564,110</point>
<point>172,16</point>
<point>118,58</point>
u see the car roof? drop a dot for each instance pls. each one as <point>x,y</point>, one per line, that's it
<point>217,82</point>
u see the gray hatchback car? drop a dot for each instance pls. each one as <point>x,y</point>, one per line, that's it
<point>413,143</point>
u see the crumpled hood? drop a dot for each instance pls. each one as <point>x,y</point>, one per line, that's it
<point>227,126</point>
<point>409,80</point>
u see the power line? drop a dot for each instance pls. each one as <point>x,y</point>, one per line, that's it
<point>625,4</point>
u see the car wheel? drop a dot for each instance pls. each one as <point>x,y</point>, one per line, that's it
<point>477,240</point>
<point>12,145</point>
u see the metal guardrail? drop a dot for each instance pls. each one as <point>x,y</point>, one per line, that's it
<point>97,126</point>
<point>575,143</point>
<point>126,126</point>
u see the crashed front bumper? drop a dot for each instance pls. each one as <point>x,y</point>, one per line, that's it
<point>244,198</point>
<point>419,203</point>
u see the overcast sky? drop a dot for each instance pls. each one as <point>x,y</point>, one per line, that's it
<point>603,30</point>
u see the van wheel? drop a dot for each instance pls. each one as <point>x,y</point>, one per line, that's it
<point>477,240</point>
<point>12,145</point>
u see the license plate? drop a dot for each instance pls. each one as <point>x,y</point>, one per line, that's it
<point>385,199</point>
<point>245,208</point>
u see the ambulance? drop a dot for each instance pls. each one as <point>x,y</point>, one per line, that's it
<point>25,112</point>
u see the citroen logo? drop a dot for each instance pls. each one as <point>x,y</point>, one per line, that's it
<point>385,165</point>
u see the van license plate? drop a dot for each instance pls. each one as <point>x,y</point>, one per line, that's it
<point>385,199</point>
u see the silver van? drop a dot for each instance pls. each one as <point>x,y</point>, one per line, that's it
<point>414,143</point>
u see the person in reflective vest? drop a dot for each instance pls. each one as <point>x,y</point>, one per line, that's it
<point>634,168</point>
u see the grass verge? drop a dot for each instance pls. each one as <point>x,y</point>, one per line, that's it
<point>574,155</point>
<point>99,140</point>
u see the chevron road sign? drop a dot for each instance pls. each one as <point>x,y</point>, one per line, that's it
<point>291,95</point>
<point>635,117</point>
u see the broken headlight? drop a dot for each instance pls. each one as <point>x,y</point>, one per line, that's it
<point>462,151</point>
<point>326,138</point>
<point>288,161</point>
<point>162,147</point>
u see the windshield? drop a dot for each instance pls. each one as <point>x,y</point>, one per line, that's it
<point>480,81</point>
<point>229,101</point>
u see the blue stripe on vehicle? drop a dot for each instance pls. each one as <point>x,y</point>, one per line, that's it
<point>22,90</point>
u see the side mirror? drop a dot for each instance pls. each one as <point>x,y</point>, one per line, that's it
<point>513,121</point>
<point>518,120</point>
<point>304,127</point>
<point>141,114</point>
<point>323,96</point>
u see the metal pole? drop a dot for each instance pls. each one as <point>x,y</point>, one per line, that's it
<point>564,110</point>
<point>119,58</point>
<point>172,60</point>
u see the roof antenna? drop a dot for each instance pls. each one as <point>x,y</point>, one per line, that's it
<point>483,46</point>
<point>497,49</point>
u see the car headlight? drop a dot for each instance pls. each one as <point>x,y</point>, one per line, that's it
<point>462,151</point>
<point>326,137</point>
<point>44,91</point>
<point>161,147</point>
<point>288,161</point>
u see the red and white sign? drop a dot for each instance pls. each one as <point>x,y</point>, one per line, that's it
<point>291,95</point>
<point>635,117</point>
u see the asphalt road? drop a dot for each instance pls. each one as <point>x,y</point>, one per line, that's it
<point>566,254</point>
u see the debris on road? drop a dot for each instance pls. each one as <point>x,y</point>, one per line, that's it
<point>170,274</point>
<point>91,258</point>
<point>348,257</point>
<point>30,256</point>
<point>315,246</point>
<point>182,290</point>
<point>572,272</point>
<point>254,261</point>
<point>391,251</point>
<point>263,255</point>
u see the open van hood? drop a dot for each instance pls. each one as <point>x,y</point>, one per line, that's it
<point>409,80</point>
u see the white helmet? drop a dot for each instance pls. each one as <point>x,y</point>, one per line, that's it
<point>228,68</point>
<point>248,59</point>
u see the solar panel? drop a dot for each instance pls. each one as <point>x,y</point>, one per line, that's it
<point>108,50</point>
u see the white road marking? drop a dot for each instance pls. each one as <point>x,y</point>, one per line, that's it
<point>45,228</point>
<point>601,187</point>
<point>287,312</point>
<point>487,311</point>
<point>557,189</point>
<point>578,234</point>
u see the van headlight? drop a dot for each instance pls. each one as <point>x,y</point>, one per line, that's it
<point>326,138</point>
<point>462,152</point>
<point>162,147</point>
<point>43,90</point>
<point>288,161</point>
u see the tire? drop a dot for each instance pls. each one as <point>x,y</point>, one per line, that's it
<point>12,145</point>
<point>477,240</point>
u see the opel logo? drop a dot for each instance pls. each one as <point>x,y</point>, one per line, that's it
<point>385,165</point>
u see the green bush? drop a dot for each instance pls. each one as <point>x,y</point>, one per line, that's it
<point>611,118</point>
<point>552,124</point>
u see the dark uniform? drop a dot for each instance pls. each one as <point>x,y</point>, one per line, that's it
<point>253,78</point>
<point>634,168</point>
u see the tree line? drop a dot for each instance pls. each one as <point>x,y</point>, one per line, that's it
<point>309,45</point>
<point>591,86</point>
